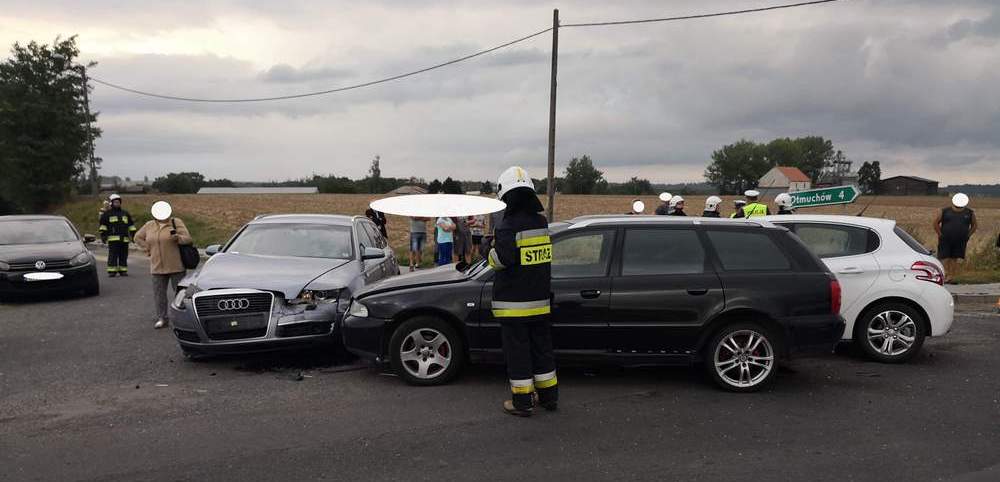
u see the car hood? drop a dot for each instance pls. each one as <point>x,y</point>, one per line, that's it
<point>286,275</point>
<point>440,275</point>
<point>29,253</point>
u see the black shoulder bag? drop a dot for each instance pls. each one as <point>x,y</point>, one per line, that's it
<point>189,253</point>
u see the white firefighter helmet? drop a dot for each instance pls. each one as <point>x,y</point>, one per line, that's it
<point>638,206</point>
<point>513,178</point>
<point>960,200</point>
<point>665,197</point>
<point>712,203</point>
<point>114,197</point>
<point>674,200</point>
<point>784,200</point>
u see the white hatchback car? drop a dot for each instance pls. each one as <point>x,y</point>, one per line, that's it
<point>891,287</point>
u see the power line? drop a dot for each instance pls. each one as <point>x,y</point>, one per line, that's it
<point>703,15</point>
<point>323,92</point>
<point>454,61</point>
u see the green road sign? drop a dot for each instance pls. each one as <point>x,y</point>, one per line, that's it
<point>824,197</point>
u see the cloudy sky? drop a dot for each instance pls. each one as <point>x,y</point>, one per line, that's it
<point>914,84</point>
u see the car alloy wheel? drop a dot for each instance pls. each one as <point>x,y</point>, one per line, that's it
<point>425,353</point>
<point>426,350</point>
<point>891,333</point>
<point>744,358</point>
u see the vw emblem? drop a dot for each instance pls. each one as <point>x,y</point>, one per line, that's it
<point>233,304</point>
<point>39,265</point>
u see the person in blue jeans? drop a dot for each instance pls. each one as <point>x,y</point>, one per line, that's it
<point>445,239</point>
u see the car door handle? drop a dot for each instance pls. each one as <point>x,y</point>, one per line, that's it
<point>698,291</point>
<point>851,270</point>
<point>590,294</point>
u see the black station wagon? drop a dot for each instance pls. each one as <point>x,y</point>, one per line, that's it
<point>736,295</point>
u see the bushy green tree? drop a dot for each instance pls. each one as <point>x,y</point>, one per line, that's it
<point>179,183</point>
<point>434,187</point>
<point>869,177</point>
<point>582,177</point>
<point>737,167</point>
<point>44,125</point>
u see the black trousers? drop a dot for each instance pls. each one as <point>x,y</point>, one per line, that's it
<point>527,348</point>
<point>117,257</point>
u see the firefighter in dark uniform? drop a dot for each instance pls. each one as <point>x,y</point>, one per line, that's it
<point>522,293</point>
<point>117,228</point>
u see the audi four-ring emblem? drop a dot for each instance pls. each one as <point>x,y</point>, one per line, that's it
<point>233,304</point>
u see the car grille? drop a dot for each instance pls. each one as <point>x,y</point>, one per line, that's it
<point>49,265</point>
<point>207,306</point>
<point>304,329</point>
<point>234,316</point>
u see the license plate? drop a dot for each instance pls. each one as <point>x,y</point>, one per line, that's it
<point>42,276</point>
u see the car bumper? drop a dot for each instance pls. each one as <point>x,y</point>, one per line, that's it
<point>72,279</point>
<point>364,337</point>
<point>287,327</point>
<point>940,307</point>
<point>813,334</point>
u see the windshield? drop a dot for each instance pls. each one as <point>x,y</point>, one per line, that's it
<point>295,240</point>
<point>37,231</point>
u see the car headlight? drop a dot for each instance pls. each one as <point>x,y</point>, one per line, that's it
<point>179,299</point>
<point>311,297</point>
<point>358,310</point>
<point>4,266</point>
<point>80,259</point>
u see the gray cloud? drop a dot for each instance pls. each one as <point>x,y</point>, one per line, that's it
<point>908,82</point>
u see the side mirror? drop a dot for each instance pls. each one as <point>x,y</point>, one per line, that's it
<point>213,249</point>
<point>372,253</point>
<point>89,238</point>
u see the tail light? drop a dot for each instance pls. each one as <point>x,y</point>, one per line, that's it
<point>925,271</point>
<point>835,296</point>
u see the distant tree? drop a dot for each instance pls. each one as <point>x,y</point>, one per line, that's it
<point>815,154</point>
<point>375,176</point>
<point>638,186</point>
<point>219,183</point>
<point>179,183</point>
<point>44,126</point>
<point>581,176</point>
<point>869,177</point>
<point>434,187</point>
<point>737,167</point>
<point>339,185</point>
<point>451,186</point>
<point>486,187</point>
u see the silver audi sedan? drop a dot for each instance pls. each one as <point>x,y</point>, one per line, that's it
<point>282,281</point>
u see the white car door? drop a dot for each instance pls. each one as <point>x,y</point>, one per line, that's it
<point>848,251</point>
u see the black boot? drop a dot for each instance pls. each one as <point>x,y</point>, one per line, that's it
<point>519,404</point>
<point>548,398</point>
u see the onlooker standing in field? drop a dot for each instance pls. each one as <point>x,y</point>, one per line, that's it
<point>664,208</point>
<point>463,240</point>
<point>477,226</point>
<point>418,236</point>
<point>445,238</point>
<point>954,226</point>
<point>160,239</point>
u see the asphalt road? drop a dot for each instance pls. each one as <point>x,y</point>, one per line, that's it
<point>89,391</point>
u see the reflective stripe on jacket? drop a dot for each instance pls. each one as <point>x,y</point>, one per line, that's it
<point>755,210</point>
<point>116,226</point>
<point>522,259</point>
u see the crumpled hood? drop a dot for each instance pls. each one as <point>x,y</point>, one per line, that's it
<point>29,253</point>
<point>285,275</point>
<point>440,275</point>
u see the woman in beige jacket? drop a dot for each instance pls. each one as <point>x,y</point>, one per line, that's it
<point>161,240</point>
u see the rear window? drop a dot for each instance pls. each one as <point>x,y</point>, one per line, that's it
<point>835,241</point>
<point>662,251</point>
<point>912,243</point>
<point>748,251</point>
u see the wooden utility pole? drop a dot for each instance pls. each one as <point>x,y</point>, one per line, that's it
<point>552,116</point>
<point>95,185</point>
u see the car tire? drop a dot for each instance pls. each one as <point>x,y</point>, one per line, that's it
<point>890,332</point>
<point>742,357</point>
<point>426,351</point>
